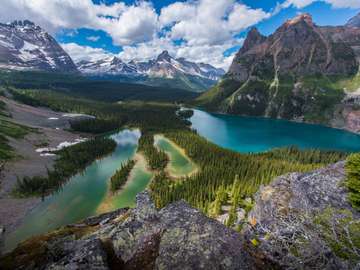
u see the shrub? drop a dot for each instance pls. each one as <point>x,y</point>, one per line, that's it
<point>353,179</point>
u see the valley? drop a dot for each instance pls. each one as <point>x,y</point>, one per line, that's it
<point>111,162</point>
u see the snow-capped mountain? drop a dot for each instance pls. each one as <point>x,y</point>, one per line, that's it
<point>109,65</point>
<point>164,66</point>
<point>25,46</point>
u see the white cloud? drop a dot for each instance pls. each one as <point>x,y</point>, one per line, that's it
<point>207,27</point>
<point>136,24</point>
<point>344,3</point>
<point>93,38</point>
<point>211,22</point>
<point>211,54</point>
<point>126,24</point>
<point>79,53</point>
<point>333,3</point>
<point>176,12</point>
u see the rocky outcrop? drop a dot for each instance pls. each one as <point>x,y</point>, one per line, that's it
<point>304,221</point>
<point>354,22</point>
<point>164,70</point>
<point>299,221</point>
<point>176,237</point>
<point>301,72</point>
<point>298,48</point>
<point>25,46</point>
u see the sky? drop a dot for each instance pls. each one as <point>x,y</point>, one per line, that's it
<point>208,31</point>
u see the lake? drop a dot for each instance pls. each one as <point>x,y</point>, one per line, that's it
<point>252,134</point>
<point>84,193</point>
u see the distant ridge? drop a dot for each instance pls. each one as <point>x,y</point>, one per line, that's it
<point>25,46</point>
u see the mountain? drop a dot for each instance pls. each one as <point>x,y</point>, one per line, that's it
<point>109,65</point>
<point>301,72</point>
<point>162,71</point>
<point>354,22</point>
<point>25,46</point>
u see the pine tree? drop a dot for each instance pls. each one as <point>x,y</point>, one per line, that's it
<point>353,179</point>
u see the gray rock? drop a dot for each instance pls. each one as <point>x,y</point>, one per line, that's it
<point>283,219</point>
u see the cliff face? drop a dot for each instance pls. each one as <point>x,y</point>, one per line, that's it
<point>299,221</point>
<point>301,72</point>
<point>304,221</point>
<point>297,48</point>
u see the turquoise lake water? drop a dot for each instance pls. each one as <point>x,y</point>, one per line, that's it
<point>83,193</point>
<point>251,134</point>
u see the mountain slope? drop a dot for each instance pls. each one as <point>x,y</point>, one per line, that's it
<point>162,71</point>
<point>297,73</point>
<point>354,22</point>
<point>25,46</point>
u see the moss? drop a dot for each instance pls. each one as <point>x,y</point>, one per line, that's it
<point>353,179</point>
<point>341,232</point>
<point>33,252</point>
<point>255,242</point>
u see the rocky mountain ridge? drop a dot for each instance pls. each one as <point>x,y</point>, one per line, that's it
<point>25,46</point>
<point>299,221</point>
<point>301,72</point>
<point>164,66</point>
<point>354,22</point>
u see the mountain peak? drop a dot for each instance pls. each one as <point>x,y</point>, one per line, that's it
<point>115,60</point>
<point>164,56</point>
<point>253,38</point>
<point>22,23</point>
<point>354,21</point>
<point>25,46</point>
<point>305,17</point>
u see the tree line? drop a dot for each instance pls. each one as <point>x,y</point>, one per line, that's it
<point>156,159</point>
<point>121,176</point>
<point>69,161</point>
<point>227,177</point>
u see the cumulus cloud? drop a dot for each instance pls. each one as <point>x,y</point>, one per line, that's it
<point>93,38</point>
<point>202,29</point>
<point>126,24</point>
<point>333,3</point>
<point>209,22</point>
<point>79,53</point>
<point>212,54</point>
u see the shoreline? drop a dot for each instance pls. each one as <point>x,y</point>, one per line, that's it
<point>27,161</point>
<point>106,204</point>
<point>182,152</point>
<point>278,119</point>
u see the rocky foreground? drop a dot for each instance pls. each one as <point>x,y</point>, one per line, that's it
<point>300,221</point>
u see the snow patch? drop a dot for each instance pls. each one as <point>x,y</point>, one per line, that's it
<point>62,145</point>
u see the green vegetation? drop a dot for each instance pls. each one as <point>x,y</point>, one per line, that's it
<point>213,98</point>
<point>219,169</point>
<point>9,129</point>
<point>95,89</point>
<point>96,126</point>
<point>341,232</point>
<point>186,114</point>
<point>156,159</point>
<point>70,161</point>
<point>353,179</point>
<point>121,176</point>
<point>315,97</point>
<point>149,116</point>
<point>34,251</point>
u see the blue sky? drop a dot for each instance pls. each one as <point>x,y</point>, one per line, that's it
<point>200,30</point>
